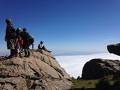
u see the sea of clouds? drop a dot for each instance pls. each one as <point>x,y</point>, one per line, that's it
<point>74,64</point>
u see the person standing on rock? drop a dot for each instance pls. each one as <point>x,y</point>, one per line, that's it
<point>10,37</point>
<point>27,41</point>
<point>19,41</point>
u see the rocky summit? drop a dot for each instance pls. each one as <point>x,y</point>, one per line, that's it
<point>40,71</point>
<point>98,68</point>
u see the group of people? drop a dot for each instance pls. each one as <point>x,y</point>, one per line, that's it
<point>17,39</point>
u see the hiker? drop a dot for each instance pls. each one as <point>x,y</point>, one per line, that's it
<point>42,47</point>
<point>27,40</point>
<point>19,40</point>
<point>10,37</point>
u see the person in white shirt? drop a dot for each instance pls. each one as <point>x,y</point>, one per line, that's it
<point>42,47</point>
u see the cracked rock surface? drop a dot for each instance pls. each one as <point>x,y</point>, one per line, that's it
<point>40,71</point>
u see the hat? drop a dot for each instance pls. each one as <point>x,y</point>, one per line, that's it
<point>24,29</point>
<point>8,20</point>
<point>41,42</point>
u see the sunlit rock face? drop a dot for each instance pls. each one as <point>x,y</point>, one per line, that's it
<point>40,71</point>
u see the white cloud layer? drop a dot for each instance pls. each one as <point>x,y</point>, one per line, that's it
<point>74,64</point>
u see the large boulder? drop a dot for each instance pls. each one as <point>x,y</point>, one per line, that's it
<point>40,71</point>
<point>114,48</point>
<point>98,68</point>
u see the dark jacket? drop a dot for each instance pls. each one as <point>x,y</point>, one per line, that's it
<point>27,39</point>
<point>10,33</point>
<point>10,37</point>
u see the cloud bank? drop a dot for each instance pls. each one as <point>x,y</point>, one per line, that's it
<point>74,64</point>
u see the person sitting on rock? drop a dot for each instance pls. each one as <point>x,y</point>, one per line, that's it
<point>42,47</point>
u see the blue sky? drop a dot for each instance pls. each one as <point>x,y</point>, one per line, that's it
<point>66,26</point>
